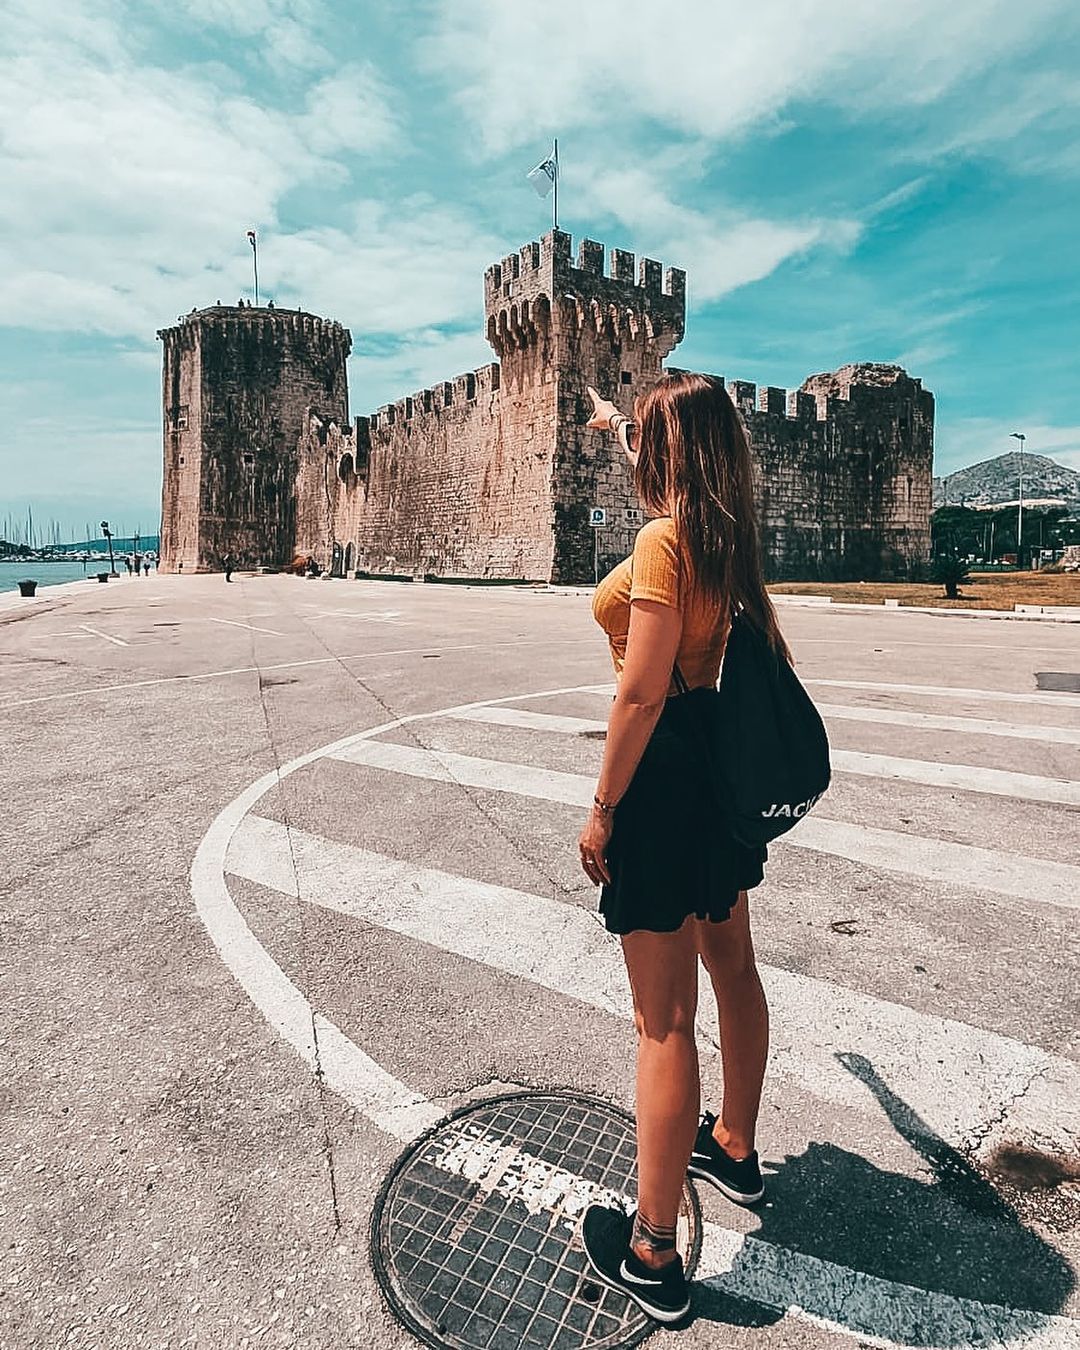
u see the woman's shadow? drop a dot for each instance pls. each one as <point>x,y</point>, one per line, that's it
<point>952,1235</point>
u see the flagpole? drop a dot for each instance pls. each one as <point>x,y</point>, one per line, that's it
<point>255,264</point>
<point>555,205</point>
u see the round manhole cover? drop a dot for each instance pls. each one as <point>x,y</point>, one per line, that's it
<point>475,1233</point>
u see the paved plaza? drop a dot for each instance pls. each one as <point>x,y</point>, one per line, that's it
<point>290,874</point>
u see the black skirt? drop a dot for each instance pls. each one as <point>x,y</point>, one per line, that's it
<point>670,854</point>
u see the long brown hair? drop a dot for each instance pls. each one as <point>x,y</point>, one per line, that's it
<point>694,464</point>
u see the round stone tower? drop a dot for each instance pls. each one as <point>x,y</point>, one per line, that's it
<point>237,382</point>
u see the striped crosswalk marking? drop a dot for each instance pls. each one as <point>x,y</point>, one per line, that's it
<point>563,948</point>
<point>1039,697</point>
<point>952,1071</point>
<point>932,773</point>
<point>939,860</point>
<point>970,726</point>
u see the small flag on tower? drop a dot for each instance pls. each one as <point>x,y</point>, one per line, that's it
<point>251,238</point>
<point>544,175</point>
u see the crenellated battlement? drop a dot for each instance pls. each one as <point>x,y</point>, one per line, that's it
<point>263,321</point>
<point>546,264</point>
<point>454,393</point>
<point>823,396</point>
<point>542,284</point>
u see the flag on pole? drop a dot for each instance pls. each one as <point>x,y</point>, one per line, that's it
<point>254,261</point>
<point>543,177</point>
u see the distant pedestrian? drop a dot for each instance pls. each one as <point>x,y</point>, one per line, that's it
<point>146,567</point>
<point>138,563</point>
<point>127,562</point>
<point>228,562</point>
<point>674,881</point>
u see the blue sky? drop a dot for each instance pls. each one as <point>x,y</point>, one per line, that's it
<point>843,180</point>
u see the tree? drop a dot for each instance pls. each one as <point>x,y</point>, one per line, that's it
<point>951,572</point>
<point>956,529</point>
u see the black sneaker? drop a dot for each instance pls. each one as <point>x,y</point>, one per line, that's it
<point>739,1179</point>
<point>662,1293</point>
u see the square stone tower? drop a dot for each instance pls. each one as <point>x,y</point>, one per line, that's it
<point>558,327</point>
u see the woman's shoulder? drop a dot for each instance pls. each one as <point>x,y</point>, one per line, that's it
<point>660,529</point>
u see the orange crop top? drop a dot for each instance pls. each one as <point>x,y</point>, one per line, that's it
<point>652,573</point>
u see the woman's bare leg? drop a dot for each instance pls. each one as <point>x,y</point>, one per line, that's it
<point>728,953</point>
<point>663,977</point>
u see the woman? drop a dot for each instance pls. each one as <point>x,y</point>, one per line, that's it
<point>674,884</point>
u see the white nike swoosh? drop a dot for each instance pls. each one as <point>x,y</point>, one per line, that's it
<point>636,1279</point>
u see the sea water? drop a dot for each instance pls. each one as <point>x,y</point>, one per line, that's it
<point>52,573</point>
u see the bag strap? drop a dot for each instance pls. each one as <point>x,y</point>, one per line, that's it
<point>680,682</point>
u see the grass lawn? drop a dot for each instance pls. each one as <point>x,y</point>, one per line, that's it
<point>985,590</point>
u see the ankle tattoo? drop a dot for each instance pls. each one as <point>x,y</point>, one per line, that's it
<point>652,1235</point>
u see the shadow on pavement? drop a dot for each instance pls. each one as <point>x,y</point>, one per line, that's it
<point>953,1235</point>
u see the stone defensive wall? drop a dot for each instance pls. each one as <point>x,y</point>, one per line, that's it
<point>430,483</point>
<point>843,472</point>
<point>481,475</point>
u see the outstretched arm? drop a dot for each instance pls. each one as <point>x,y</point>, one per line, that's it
<point>606,417</point>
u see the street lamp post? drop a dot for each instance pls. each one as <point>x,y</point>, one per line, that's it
<point>108,535</point>
<point>1019,436</point>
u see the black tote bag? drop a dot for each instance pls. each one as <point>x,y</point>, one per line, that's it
<point>766,743</point>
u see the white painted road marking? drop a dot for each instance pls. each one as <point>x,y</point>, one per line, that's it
<point>374,616</point>
<point>879,1312</point>
<point>962,777</point>
<point>965,777</point>
<point>562,947</point>
<point>73,633</point>
<point>235,623</point>
<point>122,686</point>
<point>809,1288</point>
<point>939,860</point>
<point>969,726</point>
<point>820,1292</point>
<point>317,1040</point>
<point>531,720</point>
<point>947,691</point>
<point>517,1175</point>
<point>96,632</point>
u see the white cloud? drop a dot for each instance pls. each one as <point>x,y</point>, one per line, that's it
<point>397,267</point>
<point>351,110</point>
<point>720,249</point>
<point>418,363</point>
<point>285,28</point>
<point>128,190</point>
<point>715,67</point>
<point>1032,123</point>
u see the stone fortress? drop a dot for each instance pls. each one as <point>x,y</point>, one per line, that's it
<point>492,475</point>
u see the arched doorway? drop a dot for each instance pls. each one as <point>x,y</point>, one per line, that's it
<point>349,558</point>
<point>336,561</point>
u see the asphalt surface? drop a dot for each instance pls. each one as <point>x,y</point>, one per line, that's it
<point>248,953</point>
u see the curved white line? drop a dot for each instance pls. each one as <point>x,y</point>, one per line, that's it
<point>345,1067</point>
